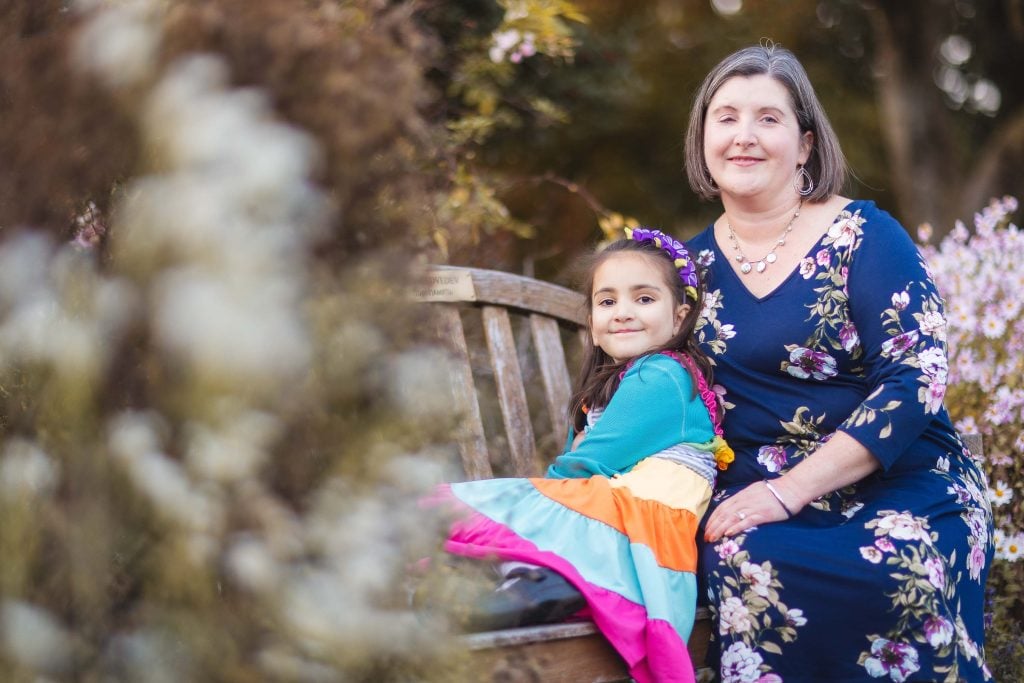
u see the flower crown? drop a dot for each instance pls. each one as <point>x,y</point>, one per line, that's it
<point>675,249</point>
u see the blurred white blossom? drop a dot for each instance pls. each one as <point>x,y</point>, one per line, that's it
<point>233,450</point>
<point>56,309</point>
<point>251,563</point>
<point>120,44</point>
<point>34,638</point>
<point>148,655</point>
<point>165,482</point>
<point>419,381</point>
<point>26,469</point>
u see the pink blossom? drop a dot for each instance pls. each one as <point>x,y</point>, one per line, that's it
<point>993,325</point>
<point>976,562</point>
<point>727,548</point>
<point>895,347</point>
<point>845,231</point>
<point>772,457</point>
<point>806,363</point>
<point>938,631</point>
<point>759,577</point>
<point>933,363</point>
<point>795,618</point>
<point>904,526</point>
<point>740,664</point>
<point>823,257</point>
<point>734,617</point>
<point>892,659</point>
<point>848,337</point>
<point>885,545</point>
<point>932,395</point>
<point>960,233</point>
<point>936,572</point>
<point>933,323</point>
<point>807,268</point>
<point>871,554</point>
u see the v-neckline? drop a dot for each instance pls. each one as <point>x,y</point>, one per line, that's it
<point>720,253</point>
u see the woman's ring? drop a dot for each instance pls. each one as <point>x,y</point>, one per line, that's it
<point>742,515</point>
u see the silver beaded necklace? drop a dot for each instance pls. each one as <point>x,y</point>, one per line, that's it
<point>747,265</point>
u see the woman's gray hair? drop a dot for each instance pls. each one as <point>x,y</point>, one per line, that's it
<point>826,163</point>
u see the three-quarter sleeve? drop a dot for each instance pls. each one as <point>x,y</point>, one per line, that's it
<point>655,407</point>
<point>898,315</point>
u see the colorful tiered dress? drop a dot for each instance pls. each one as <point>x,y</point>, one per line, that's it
<point>883,579</point>
<point>618,516</point>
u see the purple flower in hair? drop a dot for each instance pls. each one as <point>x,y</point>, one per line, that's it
<point>676,251</point>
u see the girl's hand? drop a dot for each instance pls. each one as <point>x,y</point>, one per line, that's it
<point>744,510</point>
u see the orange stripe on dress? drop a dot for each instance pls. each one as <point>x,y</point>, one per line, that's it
<point>669,533</point>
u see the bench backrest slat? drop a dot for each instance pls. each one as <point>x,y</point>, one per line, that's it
<point>547,339</point>
<point>522,322</point>
<point>472,442</point>
<point>515,412</point>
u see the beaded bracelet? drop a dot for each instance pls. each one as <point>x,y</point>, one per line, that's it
<point>778,497</point>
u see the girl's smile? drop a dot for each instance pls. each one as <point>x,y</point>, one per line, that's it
<point>633,309</point>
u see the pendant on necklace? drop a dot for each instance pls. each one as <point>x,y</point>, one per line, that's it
<point>746,265</point>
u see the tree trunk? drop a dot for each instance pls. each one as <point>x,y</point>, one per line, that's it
<point>916,127</point>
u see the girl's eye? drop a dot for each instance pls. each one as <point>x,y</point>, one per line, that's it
<point>606,302</point>
<point>646,299</point>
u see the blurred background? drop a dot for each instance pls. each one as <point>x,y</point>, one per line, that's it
<point>218,406</point>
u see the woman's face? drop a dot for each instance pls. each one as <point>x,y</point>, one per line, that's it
<point>752,140</point>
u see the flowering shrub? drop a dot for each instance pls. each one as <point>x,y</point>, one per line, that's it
<point>981,276</point>
<point>211,440</point>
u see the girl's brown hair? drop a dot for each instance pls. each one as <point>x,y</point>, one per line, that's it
<point>600,375</point>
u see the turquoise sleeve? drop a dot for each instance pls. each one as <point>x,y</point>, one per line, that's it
<point>654,407</point>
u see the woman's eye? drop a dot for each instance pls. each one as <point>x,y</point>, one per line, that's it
<point>769,119</point>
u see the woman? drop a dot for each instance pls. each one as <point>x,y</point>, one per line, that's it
<point>850,539</point>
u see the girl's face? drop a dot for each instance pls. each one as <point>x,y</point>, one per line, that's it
<point>632,307</point>
<point>752,139</point>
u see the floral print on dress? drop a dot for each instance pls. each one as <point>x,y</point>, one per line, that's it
<point>833,330</point>
<point>922,347</point>
<point>751,613</point>
<point>709,329</point>
<point>923,586</point>
<point>860,328</point>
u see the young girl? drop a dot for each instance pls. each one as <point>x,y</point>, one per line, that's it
<point>614,521</point>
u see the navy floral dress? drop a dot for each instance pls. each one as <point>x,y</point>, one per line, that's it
<point>883,579</point>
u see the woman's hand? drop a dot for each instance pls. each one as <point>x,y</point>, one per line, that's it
<point>744,509</point>
<point>837,463</point>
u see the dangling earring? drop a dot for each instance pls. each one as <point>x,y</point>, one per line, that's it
<point>804,182</point>
<point>711,182</point>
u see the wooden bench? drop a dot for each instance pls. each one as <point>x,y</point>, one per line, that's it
<point>513,340</point>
